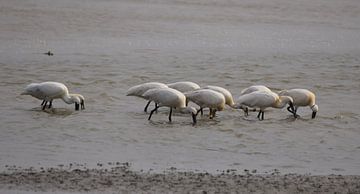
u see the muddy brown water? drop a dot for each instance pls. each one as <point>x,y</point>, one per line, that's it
<point>101,48</point>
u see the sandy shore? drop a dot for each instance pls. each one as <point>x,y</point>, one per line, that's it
<point>121,179</point>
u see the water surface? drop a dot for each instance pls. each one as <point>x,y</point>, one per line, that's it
<point>101,48</point>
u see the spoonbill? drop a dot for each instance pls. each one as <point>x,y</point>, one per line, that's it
<point>301,97</point>
<point>48,91</point>
<point>140,89</point>
<point>253,89</point>
<point>228,96</point>
<point>263,100</point>
<point>171,98</point>
<point>184,86</point>
<point>207,98</point>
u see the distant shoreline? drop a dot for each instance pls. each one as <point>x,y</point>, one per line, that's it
<point>121,179</point>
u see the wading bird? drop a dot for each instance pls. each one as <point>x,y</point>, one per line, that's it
<point>140,89</point>
<point>301,97</point>
<point>229,100</point>
<point>48,91</point>
<point>206,98</point>
<point>263,100</point>
<point>170,98</point>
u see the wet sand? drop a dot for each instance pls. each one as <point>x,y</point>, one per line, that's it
<point>121,179</point>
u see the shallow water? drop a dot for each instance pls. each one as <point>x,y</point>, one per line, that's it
<point>101,48</point>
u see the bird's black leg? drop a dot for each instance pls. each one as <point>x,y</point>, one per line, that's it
<point>147,105</point>
<point>200,110</point>
<point>210,113</point>
<point>246,111</point>
<point>289,109</point>
<point>43,102</point>
<point>77,105</point>
<point>262,115</point>
<point>44,106</point>
<point>156,107</point>
<point>82,104</point>
<point>170,114</point>
<point>50,104</point>
<point>258,116</point>
<point>295,110</point>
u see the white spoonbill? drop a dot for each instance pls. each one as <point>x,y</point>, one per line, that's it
<point>184,86</point>
<point>250,89</point>
<point>140,89</point>
<point>253,89</point>
<point>301,97</point>
<point>263,100</point>
<point>207,98</point>
<point>48,91</point>
<point>171,98</point>
<point>228,96</point>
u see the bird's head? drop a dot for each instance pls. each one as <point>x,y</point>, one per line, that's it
<point>75,99</point>
<point>82,100</point>
<point>315,109</point>
<point>191,110</point>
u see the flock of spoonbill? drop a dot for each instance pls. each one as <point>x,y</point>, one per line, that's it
<point>178,95</point>
<point>215,98</point>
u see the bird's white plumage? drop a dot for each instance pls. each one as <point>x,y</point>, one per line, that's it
<point>170,98</point>
<point>166,97</point>
<point>184,86</point>
<point>207,98</point>
<point>227,94</point>
<point>254,88</point>
<point>258,99</point>
<point>302,97</point>
<point>140,89</point>
<point>263,100</point>
<point>49,91</point>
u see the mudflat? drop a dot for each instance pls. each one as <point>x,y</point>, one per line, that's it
<point>121,179</point>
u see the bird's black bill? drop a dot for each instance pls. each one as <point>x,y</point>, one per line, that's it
<point>313,115</point>
<point>194,118</point>
<point>77,106</point>
<point>292,110</point>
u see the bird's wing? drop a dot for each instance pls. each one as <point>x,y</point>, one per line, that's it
<point>52,90</point>
<point>257,99</point>
<point>139,90</point>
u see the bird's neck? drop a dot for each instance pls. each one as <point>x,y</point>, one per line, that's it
<point>281,102</point>
<point>68,98</point>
